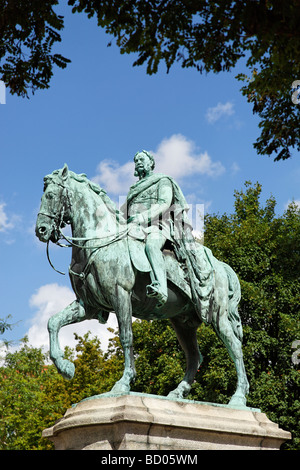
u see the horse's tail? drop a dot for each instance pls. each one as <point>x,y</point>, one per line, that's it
<point>234,297</point>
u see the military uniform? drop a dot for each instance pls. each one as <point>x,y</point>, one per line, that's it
<point>153,204</point>
<point>162,209</point>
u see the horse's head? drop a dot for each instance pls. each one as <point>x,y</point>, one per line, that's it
<point>55,206</point>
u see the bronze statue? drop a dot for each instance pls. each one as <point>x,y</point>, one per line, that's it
<point>142,262</point>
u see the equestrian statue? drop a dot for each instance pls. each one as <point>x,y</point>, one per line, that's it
<point>141,261</point>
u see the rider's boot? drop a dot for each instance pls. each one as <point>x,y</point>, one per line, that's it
<point>158,288</point>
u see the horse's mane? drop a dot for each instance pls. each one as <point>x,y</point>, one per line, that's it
<point>55,177</point>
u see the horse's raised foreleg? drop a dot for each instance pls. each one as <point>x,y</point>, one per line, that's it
<point>187,338</point>
<point>72,314</point>
<point>123,311</point>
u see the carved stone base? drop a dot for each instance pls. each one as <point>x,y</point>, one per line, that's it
<point>147,422</point>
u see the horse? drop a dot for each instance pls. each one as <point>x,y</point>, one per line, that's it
<point>105,279</point>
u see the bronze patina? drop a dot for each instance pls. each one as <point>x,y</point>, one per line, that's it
<point>141,261</point>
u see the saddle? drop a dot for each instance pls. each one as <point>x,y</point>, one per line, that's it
<point>176,273</point>
<point>195,276</point>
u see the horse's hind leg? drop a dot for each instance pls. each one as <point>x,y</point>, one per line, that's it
<point>234,346</point>
<point>72,314</point>
<point>187,337</point>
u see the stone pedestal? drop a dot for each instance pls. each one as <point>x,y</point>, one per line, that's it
<point>147,422</point>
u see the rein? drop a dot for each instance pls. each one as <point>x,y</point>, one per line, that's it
<point>82,275</point>
<point>48,257</point>
<point>59,221</point>
<point>71,244</point>
<point>88,239</point>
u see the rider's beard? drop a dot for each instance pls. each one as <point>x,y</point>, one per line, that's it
<point>142,172</point>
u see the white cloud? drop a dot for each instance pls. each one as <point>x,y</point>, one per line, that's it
<point>175,156</point>
<point>235,168</point>
<point>221,109</point>
<point>4,223</point>
<point>295,201</point>
<point>178,157</point>
<point>7,223</point>
<point>50,299</point>
<point>113,177</point>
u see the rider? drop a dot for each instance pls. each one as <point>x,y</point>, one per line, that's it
<point>157,206</point>
<point>147,202</point>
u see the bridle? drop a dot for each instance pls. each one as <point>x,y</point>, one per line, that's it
<point>58,216</point>
<point>59,222</point>
<point>58,219</point>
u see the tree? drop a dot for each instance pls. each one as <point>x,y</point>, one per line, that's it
<point>33,396</point>
<point>4,325</point>
<point>160,361</point>
<point>211,36</point>
<point>27,404</point>
<point>95,371</point>
<point>264,250</point>
<point>28,31</point>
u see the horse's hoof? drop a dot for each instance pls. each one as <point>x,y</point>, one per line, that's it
<point>174,395</point>
<point>66,369</point>
<point>120,389</point>
<point>238,400</point>
<point>180,392</point>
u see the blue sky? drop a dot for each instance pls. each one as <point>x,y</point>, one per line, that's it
<point>96,115</point>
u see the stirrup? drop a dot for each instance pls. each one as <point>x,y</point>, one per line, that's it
<point>153,291</point>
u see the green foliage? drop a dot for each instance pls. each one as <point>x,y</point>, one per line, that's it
<point>33,395</point>
<point>27,404</point>
<point>264,250</point>
<point>160,361</point>
<point>212,36</point>
<point>28,31</point>
<point>4,325</point>
<point>95,372</point>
